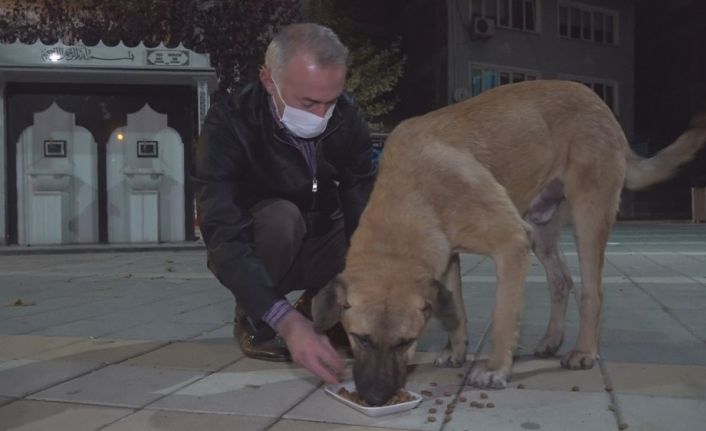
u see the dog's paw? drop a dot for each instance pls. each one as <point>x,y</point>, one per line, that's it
<point>547,348</point>
<point>447,359</point>
<point>576,360</point>
<point>483,378</point>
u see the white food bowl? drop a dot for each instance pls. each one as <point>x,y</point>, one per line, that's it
<point>373,411</point>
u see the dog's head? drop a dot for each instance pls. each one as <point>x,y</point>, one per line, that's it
<point>383,320</point>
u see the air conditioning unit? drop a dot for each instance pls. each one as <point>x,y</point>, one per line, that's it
<point>482,27</point>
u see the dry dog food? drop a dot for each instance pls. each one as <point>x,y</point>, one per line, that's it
<point>427,393</point>
<point>490,405</point>
<point>483,395</point>
<point>574,388</point>
<point>400,397</point>
<point>431,419</point>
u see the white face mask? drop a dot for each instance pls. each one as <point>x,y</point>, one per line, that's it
<point>303,123</point>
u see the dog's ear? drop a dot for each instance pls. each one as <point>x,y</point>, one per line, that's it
<point>442,304</point>
<point>328,304</point>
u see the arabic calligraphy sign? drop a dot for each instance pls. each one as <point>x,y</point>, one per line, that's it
<point>102,56</point>
<point>67,54</point>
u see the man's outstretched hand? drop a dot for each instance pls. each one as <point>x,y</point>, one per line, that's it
<point>310,349</point>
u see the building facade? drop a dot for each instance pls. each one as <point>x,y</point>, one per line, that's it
<point>459,48</point>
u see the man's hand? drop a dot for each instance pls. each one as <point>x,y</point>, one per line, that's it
<point>309,349</point>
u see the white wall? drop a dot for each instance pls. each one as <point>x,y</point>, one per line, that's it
<point>151,208</point>
<point>3,173</point>
<point>73,217</point>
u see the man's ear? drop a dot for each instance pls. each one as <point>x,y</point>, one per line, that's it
<point>442,304</point>
<point>266,80</point>
<point>328,304</point>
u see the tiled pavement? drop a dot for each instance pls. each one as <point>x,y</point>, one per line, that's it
<point>141,341</point>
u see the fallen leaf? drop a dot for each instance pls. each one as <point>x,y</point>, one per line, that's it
<point>20,303</point>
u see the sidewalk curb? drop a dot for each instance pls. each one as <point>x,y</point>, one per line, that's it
<point>14,250</point>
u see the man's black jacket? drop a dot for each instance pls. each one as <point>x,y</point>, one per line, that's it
<point>243,157</point>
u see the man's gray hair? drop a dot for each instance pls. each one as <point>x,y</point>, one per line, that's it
<point>314,39</point>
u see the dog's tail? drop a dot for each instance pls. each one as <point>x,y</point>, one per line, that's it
<point>641,172</point>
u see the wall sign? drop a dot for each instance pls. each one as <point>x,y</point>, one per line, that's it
<point>54,148</point>
<point>167,57</point>
<point>149,149</point>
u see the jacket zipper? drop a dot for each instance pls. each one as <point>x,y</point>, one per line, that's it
<point>314,181</point>
<point>312,171</point>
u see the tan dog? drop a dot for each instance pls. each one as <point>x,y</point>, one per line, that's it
<point>491,175</point>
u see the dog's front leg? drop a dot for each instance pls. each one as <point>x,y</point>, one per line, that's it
<point>511,269</point>
<point>454,355</point>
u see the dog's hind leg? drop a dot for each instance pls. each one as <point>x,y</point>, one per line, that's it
<point>593,212</point>
<point>454,355</point>
<point>545,237</point>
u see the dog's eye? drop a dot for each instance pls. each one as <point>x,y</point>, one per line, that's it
<point>363,341</point>
<point>404,344</point>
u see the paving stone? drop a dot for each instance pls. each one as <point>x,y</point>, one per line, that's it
<point>26,324</point>
<point>163,310</point>
<point>36,306</point>
<point>249,387</point>
<point>693,318</point>
<point>292,425</point>
<point>38,415</point>
<point>176,421</point>
<point>191,356</point>
<point>100,350</point>
<point>78,312</point>
<point>650,344</point>
<point>644,413</point>
<point>547,374</point>
<point>674,381</point>
<point>163,330</point>
<point>20,377</point>
<point>120,385</point>
<point>222,334</point>
<point>522,409</point>
<point>24,346</point>
<point>211,313</point>
<point>87,328</point>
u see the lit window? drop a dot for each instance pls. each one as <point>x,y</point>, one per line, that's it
<point>486,77</point>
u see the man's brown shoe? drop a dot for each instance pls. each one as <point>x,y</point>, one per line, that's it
<point>259,342</point>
